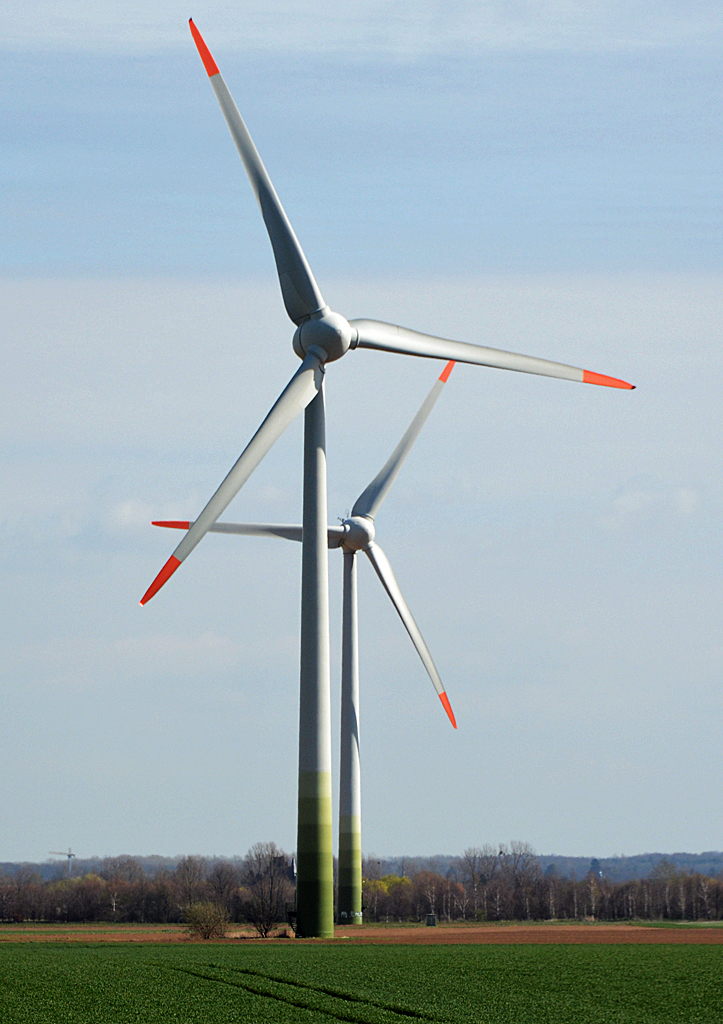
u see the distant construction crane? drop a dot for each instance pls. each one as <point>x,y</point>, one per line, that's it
<point>62,853</point>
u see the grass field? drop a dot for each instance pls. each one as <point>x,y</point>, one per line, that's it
<point>209,984</point>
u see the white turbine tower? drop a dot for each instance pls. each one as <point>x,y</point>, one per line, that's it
<point>356,533</point>
<point>321,337</point>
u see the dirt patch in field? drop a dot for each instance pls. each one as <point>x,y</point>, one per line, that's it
<point>564,933</point>
<point>92,933</point>
<point>536,933</point>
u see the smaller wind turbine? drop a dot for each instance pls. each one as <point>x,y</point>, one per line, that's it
<point>62,853</point>
<point>357,533</point>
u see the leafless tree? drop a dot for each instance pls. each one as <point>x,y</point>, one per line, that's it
<point>520,873</point>
<point>267,879</point>
<point>120,874</point>
<point>7,898</point>
<point>374,893</point>
<point>427,886</point>
<point>190,880</point>
<point>664,877</point>
<point>87,898</point>
<point>592,892</point>
<point>223,880</point>
<point>29,895</point>
<point>705,889</point>
<point>461,901</point>
<point>124,869</point>
<point>454,897</point>
<point>478,868</point>
<point>371,867</point>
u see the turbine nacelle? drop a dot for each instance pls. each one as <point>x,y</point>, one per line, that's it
<point>326,331</point>
<point>358,533</point>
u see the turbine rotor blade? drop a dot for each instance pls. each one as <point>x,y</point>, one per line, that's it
<point>299,289</point>
<point>287,531</point>
<point>369,501</point>
<point>390,338</point>
<point>298,393</point>
<point>384,571</point>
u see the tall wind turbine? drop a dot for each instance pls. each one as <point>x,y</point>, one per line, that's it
<point>356,533</point>
<point>321,337</point>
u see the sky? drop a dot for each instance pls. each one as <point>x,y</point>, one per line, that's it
<point>544,178</point>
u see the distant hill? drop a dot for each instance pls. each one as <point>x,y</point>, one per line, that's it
<point>58,868</point>
<point>641,865</point>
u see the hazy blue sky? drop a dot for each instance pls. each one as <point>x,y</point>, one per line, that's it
<point>539,177</point>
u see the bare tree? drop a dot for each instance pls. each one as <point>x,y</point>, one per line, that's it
<point>478,868</point>
<point>592,892</point>
<point>427,885</point>
<point>664,876</point>
<point>223,881</point>
<point>88,898</point>
<point>29,895</point>
<point>267,879</point>
<point>373,890</point>
<point>520,871</point>
<point>705,889</point>
<point>573,883</point>
<point>7,898</point>
<point>119,873</point>
<point>190,880</point>
<point>454,898</point>
<point>371,867</point>
<point>124,869</point>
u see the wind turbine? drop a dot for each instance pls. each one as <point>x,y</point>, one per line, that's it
<point>69,855</point>
<point>356,533</point>
<point>321,337</point>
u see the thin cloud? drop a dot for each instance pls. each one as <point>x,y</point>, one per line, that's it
<point>79,664</point>
<point>406,30</point>
<point>640,503</point>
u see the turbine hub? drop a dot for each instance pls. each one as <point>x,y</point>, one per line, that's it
<point>358,533</point>
<point>328,331</point>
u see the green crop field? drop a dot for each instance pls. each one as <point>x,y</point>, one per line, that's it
<point>207,984</point>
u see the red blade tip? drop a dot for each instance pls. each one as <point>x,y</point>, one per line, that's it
<point>444,375</point>
<point>606,382</point>
<point>448,708</point>
<point>163,576</point>
<point>172,524</point>
<point>208,62</point>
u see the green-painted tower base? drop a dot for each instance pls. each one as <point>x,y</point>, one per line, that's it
<point>314,858</point>
<point>349,897</point>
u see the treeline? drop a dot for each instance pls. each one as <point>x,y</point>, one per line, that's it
<point>618,869</point>
<point>484,884</point>
<point>508,883</point>
<point>258,888</point>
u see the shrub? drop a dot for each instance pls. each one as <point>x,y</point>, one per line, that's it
<point>207,920</point>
